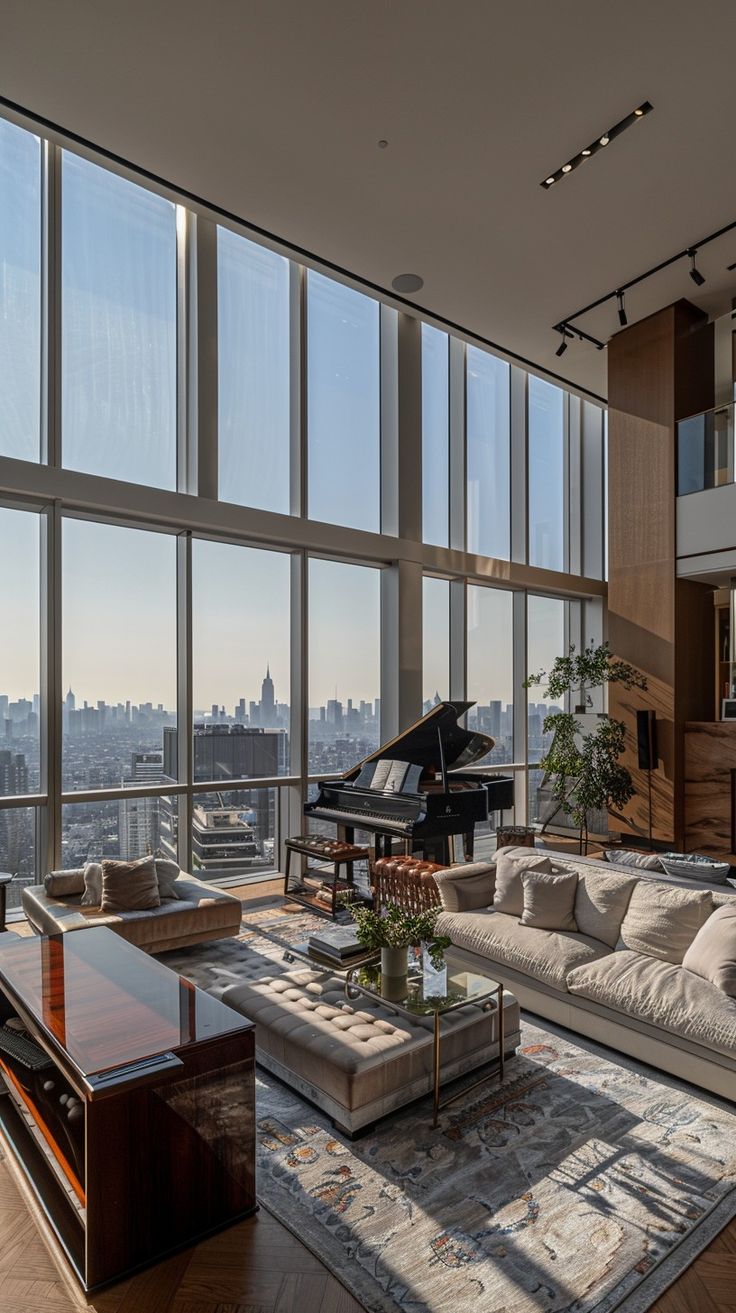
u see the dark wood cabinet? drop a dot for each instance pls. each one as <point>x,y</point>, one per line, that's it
<point>135,1124</point>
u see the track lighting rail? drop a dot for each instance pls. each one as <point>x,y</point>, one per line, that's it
<point>688,253</point>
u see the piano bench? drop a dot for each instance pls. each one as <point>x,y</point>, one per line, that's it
<point>406,881</point>
<point>320,890</point>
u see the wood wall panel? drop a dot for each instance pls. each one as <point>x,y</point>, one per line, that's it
<point>659,370</point>
<point>710,756</point>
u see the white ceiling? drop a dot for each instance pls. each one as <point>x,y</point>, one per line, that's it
<point>273,110</point>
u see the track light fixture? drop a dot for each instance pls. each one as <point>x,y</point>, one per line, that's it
<point>562,348</point>
<point>570,324</point>
<point>600,142</point>
<point>695,274</point>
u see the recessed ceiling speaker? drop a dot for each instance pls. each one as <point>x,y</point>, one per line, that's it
<point>407,283</point>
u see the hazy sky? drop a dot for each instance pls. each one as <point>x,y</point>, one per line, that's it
<point>436,639</point>
<point>344,632</point>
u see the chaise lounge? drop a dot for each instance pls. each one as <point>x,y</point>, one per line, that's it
<point>194,913</point>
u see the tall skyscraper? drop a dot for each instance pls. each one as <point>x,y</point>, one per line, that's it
<point>268,702</point>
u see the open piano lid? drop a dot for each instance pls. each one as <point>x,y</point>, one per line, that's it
<point>419,744</point>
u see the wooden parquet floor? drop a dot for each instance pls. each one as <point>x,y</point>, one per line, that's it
<point>255,1267</point>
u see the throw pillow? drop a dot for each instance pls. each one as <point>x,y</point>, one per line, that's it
<point>167,873</point>
<point>508,895</point>
<point>92,896</point>
<point>630,857</point>
<point>130,886</point>
<point>466,888</point>
<point>712,953</point>
<point>662,921</point>
<point>601,902</point>
<point>60,884</point>
<point>549,900</point>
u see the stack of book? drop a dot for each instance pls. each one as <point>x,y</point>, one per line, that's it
<point>339,944</point>
<point>343,893</point>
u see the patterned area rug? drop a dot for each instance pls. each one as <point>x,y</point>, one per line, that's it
<point>587,1183</point>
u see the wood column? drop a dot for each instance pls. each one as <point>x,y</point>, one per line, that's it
<point>659,370</point>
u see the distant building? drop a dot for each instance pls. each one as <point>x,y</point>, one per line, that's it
<point>225,752</point>
<point>139,817</point>
<point>223,840</point>
<point>13,773</point>
<point>268,702</point>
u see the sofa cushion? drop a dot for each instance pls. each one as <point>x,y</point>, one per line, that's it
<point>465,888</point>
<point>601,900</point>
<point>630,857</point>
<point>92,896</point>
<point>663,921</point>
<point>508,895</point>
<point>661,994</point>
<point>59,884</point>
<point>712,954</point>
<point>549,900</point>
<point>130,886</point>
<point>167,875</point>
<point>546,955</point>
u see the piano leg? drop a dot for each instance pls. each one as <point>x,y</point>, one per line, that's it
<point>468,845</point>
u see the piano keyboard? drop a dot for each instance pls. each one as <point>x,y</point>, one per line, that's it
<point>386,819</point>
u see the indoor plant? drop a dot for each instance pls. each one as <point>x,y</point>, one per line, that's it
<point>586,774</point>
<point>394,931</point>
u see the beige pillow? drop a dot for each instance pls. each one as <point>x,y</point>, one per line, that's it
<point>466,888</point>
<point>130,886</point>
<point>167,873</point>
<point>601,902</point>
<point>508,895</point>
<point>712,953</point>
<point>549,900</point>
<point>662,921</point>
<point>92,896</point>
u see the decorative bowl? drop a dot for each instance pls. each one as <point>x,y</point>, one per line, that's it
<point>692,866</point>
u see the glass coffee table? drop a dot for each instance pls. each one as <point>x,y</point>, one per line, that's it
<point>433,994</point>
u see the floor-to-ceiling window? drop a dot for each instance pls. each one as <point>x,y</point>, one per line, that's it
<point>435,641</point>
<point>546,474</point>
<point>20,302</point>
<point>343,404</point>
<point>200,624</point>
<point>545,642</point>
<point>118,327</point>
<point>253,370</point>
<point>488,454</point>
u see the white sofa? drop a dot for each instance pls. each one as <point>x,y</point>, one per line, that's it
<point>636,1001</point>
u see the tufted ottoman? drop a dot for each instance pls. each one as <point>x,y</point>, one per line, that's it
<point>360,1060</point>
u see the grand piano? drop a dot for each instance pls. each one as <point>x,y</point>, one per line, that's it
<point>418,788</point>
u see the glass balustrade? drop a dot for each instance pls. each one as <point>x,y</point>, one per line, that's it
<point>705,456</point>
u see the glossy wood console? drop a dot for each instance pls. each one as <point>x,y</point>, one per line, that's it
<point>138,1136</point>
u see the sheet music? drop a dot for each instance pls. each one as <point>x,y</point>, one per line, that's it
<point>388,776</point>
<point>396,777</point>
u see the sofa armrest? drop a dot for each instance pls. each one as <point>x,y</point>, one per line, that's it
<point>55,916</point>
<point>467,888</point>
